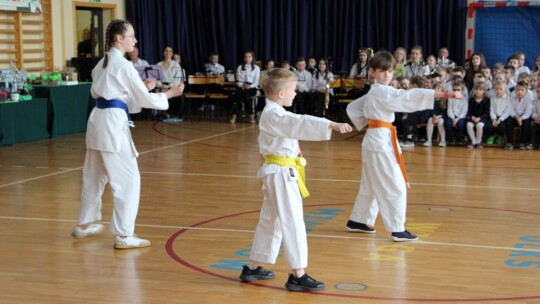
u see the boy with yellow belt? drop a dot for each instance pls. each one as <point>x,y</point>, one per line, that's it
<point>281,217</point>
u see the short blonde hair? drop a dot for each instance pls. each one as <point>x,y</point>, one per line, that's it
<point>276,80</point>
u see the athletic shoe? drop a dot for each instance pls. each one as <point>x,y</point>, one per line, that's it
<point>491,139</point>
<point>92,229</point>
<point>303,283</point>
<point>353,226</point>
<point>500,140</point>
<point>522,147</point>
<point>404,236</point>
<point>508,146</point>
<point>259,273</point>
<point>442,143</point>
<point>471,145</point>
<point>130,242</point>
<point>407,143</point>
<point>530,147</point>
<point>428,143</point>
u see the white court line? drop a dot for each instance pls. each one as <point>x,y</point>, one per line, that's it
<point>341,180</point>
<point>420,242</point>
<point>141,153</point>
<point>195,140</point>
<point>38,177</point>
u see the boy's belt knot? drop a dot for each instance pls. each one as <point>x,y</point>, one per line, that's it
<point>291,162</point>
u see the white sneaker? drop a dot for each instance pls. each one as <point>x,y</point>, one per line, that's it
<point>130,242</point>
<point>92,229</point>
<point>442,143</point>
<point>427,144</point>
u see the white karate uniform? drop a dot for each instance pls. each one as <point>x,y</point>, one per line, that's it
<point>382,186</point>
<point>111,156</point>
<point>281,215</point>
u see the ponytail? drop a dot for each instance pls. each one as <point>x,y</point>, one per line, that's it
<point>116,27</point>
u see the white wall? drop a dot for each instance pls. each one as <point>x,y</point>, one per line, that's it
<point>64,27</point>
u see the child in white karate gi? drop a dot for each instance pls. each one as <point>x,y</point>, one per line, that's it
<point>281,217</point>
<point>111,156</point>
<point>384,180</point>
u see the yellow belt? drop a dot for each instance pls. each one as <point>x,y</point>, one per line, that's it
<point>291,162</point>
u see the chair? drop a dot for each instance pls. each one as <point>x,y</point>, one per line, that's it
<point>217,92</point>
<point>195,85</point>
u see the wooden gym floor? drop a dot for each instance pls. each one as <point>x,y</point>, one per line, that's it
<point>476,211</point>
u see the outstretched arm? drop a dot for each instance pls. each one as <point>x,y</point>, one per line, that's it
<point>340,127</point>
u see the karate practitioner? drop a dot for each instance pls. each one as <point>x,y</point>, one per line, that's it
<point>281,217</point>
<point>384,181</point>
<point>111,156</point>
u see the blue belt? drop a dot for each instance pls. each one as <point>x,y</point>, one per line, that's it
<point>102,103</point>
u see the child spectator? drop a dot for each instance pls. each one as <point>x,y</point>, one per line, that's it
<point>510,71</point>
<point>457,112</point>
<point>438,116</point>
<point>478,77</point>
<point>431,65</point>
<point>521,114</point>
<point>400,55</point>
<point>281,217</point>
<point>521,68</point>
<point>536,64</point>
<point>477,115</point>
<point>499,111</point>
<point>384,180</point>
<point>415,67</point>
<point>533,83</point>
<point>395,84</point>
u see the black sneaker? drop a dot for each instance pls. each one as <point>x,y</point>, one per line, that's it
<point>403,236</point>
<point>260,273</point>
<point>304,283</point>
<point>353,226</point>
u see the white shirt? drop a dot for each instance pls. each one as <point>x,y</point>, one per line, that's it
<point>214,69</point>
<point>118,81</point>
<point>457,108</point>
<point>535,108</point>
<point>140,62</point>
<point>521,107</point>
<point>174,74</point>
<point>500,107</point>
<point>363,71</point>
<point>319,83</point>
<point>248,75</point>
<point>304,80</point>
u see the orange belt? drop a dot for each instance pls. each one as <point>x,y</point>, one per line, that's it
<point>399,157</point>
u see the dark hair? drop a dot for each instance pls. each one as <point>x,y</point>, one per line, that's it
<point>458,83</point>
<point>418,81</point>
<point>325,74</point>
<point>115,28</point>
<point>510,67</point>
<point>522,84</point>
<point>252,61</point>
<point>512,57</point>
<point>382,60</point>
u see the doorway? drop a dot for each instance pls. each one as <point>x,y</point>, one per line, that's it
<point>91,21</point>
